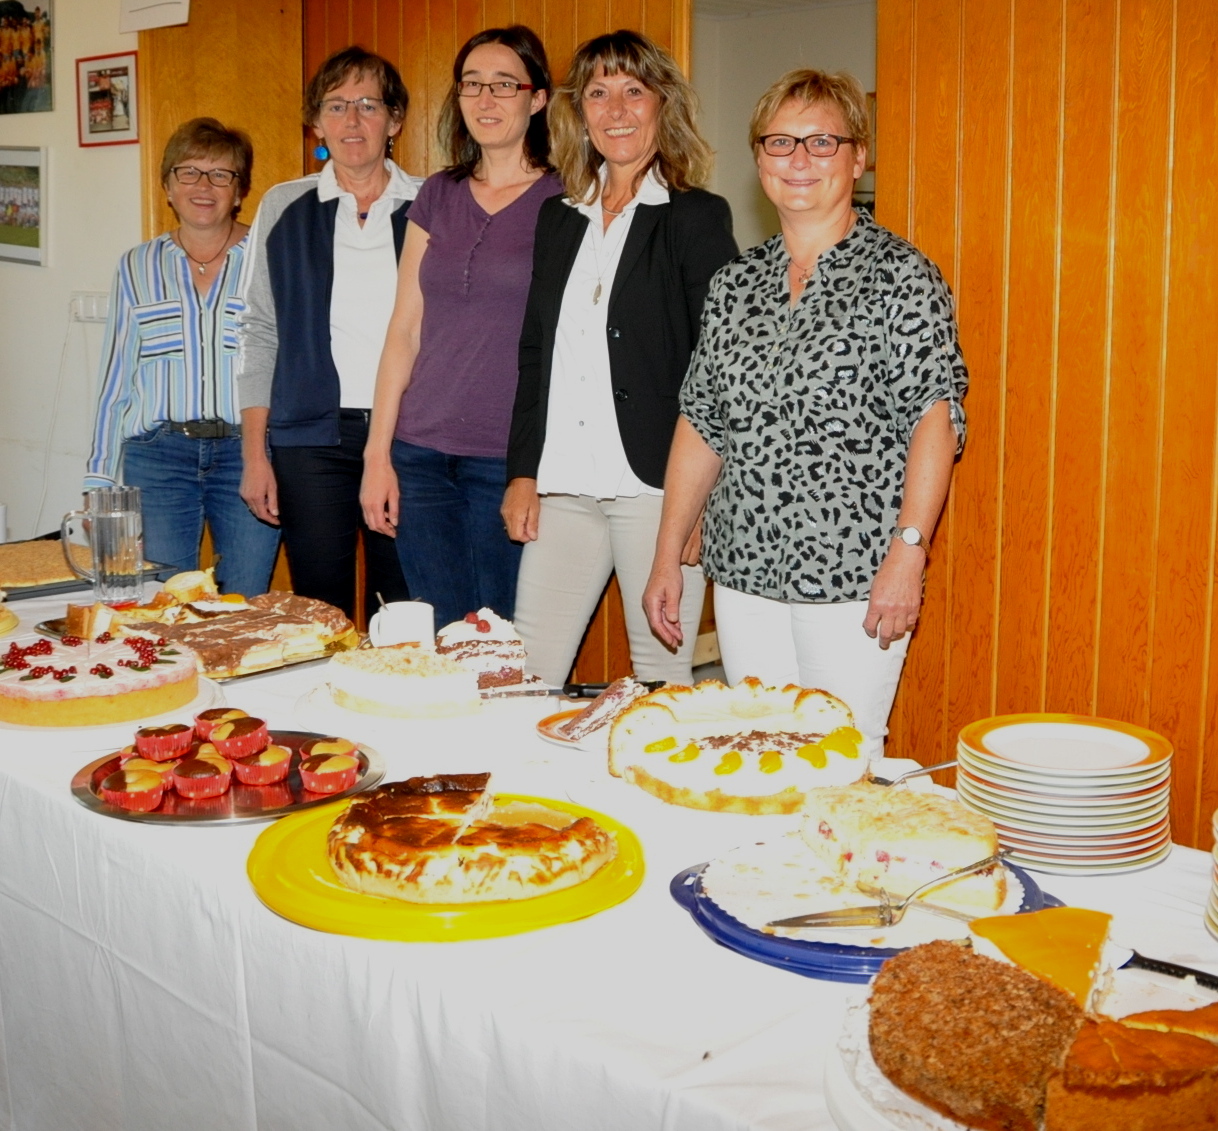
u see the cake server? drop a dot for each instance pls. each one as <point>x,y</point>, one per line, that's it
<point>592,690</point>
<point>885,913</point>
<point>913,773</point>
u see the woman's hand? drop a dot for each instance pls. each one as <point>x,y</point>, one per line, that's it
<point>258,489</point>
<point>896,594</point>
<point>662,602</point>
<point>378,496</point>
<point>520,510</point>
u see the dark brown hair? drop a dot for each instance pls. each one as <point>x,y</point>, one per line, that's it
<point>355,62</point>
<point>463,152</point>
<point>683,158</point>
<point>206,137</point>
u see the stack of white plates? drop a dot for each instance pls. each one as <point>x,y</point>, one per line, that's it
<point>1070,794</point>
<point>1211,908</point>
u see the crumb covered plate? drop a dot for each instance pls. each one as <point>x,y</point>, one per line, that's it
<point>832,961</point>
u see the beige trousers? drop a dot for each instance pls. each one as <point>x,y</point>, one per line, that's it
<point>581,540</point>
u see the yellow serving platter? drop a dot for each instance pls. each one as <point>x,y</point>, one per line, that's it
<point>290,871</point>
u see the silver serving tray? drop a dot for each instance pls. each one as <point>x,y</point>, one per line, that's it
<point>242,804</point>
<point>56,626</point>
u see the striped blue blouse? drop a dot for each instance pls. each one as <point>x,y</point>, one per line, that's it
<point>168,354</point>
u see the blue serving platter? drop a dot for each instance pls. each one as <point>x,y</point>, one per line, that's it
<point>833,962</point>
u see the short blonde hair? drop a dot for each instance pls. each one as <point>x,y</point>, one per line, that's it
<point>683,159</point>
<point>810,87</point>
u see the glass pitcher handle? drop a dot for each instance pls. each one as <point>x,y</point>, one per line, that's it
<point>64,530</point>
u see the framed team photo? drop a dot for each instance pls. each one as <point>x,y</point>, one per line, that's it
<point>23,204</point>
<point>106,100</point>
<point>25,57</point>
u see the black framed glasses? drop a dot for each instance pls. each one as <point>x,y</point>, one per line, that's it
<point>189,175</point>
<point>337,107</point>
<point>500,88</point>
<point>815,145</point>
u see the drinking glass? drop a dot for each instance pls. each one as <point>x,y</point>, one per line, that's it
<point>113,525</point>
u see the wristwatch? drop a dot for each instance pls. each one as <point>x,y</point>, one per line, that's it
<point>912,536</point>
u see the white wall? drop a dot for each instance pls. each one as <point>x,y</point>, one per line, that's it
<point>47,363</point>
<point>734,60</point>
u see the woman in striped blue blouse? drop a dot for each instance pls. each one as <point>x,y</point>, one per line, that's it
<point>167,418</point>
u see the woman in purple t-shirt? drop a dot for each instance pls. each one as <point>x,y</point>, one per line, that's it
<point>435,462</point>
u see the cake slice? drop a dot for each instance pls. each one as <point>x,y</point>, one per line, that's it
<point>1201,1022</point>
<point>1066,946</point>
<point>605,707</point>
<point>898,839</point>
<point>485,644</point>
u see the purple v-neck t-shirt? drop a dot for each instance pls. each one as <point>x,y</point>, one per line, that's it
<point>475,278</point>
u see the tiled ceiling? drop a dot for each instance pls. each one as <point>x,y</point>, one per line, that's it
<point>740,9</point>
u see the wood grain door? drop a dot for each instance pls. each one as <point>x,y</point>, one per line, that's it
<point>1057,160</point>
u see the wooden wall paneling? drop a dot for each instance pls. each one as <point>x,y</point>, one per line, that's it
<point>557,24</point>
<point>979,290</point>
<point>1090,62</point>
<point>196,70</point>
<point>894,114</point>
<point>1184,546</point>
<point>936,92</point>
<point>1135,386</point>
<point>1030,379</point>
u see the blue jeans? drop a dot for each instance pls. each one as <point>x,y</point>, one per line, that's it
<point>185,481</point>
<point>451,542</point>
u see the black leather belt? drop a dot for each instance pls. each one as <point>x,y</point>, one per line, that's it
<point>204,429</point>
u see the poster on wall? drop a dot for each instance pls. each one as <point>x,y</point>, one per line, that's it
<point>25,57</point>
<point>22,204</point>
<point>106,100</point>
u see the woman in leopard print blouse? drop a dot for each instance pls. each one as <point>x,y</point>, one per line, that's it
<point>820,421</point>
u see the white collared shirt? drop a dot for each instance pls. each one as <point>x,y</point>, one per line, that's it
<point>365,280</point>
<point>583,453</point>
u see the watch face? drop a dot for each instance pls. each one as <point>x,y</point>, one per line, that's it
<point>910,535</point>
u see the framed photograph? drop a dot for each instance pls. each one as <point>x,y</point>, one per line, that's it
<point>106,101</point>
<point>25,56</point>
<point>23,204</point>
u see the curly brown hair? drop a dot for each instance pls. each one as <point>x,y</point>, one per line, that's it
<point>682,159</point>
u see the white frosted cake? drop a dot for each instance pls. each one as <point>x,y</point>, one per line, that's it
<point>402,681</point>
<point>742,749</point>
<point>487,645</point>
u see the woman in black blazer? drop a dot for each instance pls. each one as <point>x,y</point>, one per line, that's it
<point>621,267</point>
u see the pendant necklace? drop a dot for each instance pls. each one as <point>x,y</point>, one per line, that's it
<point>596,294</point>
<point>203,264</point>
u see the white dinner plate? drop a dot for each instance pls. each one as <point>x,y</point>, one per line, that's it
<point>1048,823</point>
<point>1065,745</point>
<point>1066,841</point>
<point>1024,777</point>
<point>1040,803</point>
<point>1091,867</point>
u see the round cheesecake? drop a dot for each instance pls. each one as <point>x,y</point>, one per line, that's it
<point>74,682</point>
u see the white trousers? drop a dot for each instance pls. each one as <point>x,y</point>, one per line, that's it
<point>812,645</point>
<point>581,540</point>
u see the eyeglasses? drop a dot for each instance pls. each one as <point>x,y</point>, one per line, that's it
<point>468,88</point>
<point>365,107</point>
<point>815,145</point>
<point>189,175</point>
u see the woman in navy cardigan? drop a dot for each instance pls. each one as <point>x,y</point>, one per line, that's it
<point>621,267</point>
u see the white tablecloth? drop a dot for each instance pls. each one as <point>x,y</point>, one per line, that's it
<point>144,986</point>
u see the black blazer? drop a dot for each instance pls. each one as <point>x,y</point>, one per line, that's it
<point>671,252</point>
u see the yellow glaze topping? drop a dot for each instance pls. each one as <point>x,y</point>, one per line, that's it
<point>729,763</point>
<point>660,746</point>
<point>814,752</point>
<point>770,762</point>
<point>1062,945</point>
<point>688,754</point>
<point>844,741</point>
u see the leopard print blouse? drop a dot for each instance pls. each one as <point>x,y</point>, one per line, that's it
<point>811,409</point>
